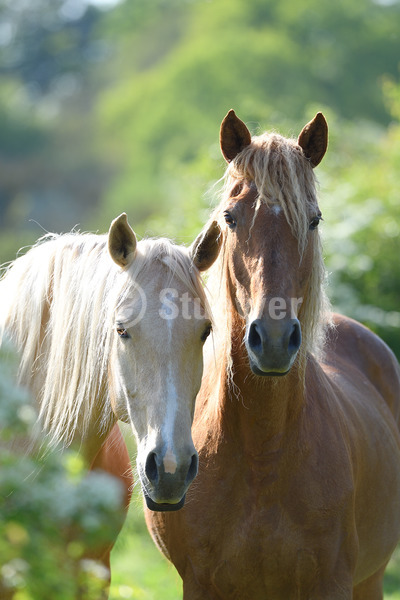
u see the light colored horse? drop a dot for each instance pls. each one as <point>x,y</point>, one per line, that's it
<point>109,328</point>
<point>297,420</point>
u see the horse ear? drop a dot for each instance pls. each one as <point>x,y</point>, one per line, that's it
<point>121,241</point>
<point>206,247</point>
<point>313,139</point>
<point>233,136</point>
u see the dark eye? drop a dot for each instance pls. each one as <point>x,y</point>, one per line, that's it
<point>122,332</point>
<point>315,222</point>
<point>229,220</point>
<point>206,332</point>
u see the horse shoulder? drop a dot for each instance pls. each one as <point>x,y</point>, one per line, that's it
<point>353,346</point>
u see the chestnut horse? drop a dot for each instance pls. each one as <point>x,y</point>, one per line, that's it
<point>297,419</point>
<point>96,322</point>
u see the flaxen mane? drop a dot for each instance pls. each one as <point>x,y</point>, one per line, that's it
<point>57,304</point>
<point>283,176</point>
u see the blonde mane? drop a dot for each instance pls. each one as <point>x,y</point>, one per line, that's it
<point>57,304</point>
<point>282,176</point>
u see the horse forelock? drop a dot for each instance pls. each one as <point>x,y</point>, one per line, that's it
<point>179,265</point>
<point>283,177</point>
<point>58,307</point>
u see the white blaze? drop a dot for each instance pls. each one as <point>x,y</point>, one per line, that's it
<point>170,462</point>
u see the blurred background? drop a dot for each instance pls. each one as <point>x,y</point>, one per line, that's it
<point>111,105</point>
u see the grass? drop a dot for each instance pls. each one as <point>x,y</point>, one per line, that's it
<point>392,577</point>
<point>140,572</point>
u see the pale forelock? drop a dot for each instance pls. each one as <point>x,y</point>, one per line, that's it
<point>282,176</point>
<point>179,264</point>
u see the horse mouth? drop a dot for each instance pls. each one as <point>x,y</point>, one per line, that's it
<point>257,371</point>
<point>164,506</point>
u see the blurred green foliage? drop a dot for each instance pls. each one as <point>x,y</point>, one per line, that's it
<point>53,515</point>
<point>363,228</point>
<point>186,66</point>
<point>104,111</point>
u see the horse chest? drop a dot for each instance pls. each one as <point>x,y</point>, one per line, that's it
<point>259,564</point>
<point>272,542</point>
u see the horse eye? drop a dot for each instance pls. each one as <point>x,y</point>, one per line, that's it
<point>315,222</point>
<point>122,332</point>
<point>229,220</point>
<point>206,332</point>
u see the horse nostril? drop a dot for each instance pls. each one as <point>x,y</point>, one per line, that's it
<point>193,468</point>
<point>254,338</point>
<point>295,338</point>
<point>151,468</point>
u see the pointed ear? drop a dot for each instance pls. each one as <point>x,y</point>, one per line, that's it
<point>233,136</point>
<point>313,139</point>
<point>206,247</point>
<point>121,241</point>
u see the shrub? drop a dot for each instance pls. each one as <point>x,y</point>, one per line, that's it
<point>53,513</point>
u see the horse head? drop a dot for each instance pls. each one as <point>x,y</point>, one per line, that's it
<point>162,320</point>
<point>269,216</point>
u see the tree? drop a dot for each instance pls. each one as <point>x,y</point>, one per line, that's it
<point>175,76</point>
<point>360,201</point>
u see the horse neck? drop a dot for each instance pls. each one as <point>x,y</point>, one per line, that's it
<point>260,411</point>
